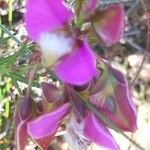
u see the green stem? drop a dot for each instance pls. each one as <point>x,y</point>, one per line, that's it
<point>78,13</point>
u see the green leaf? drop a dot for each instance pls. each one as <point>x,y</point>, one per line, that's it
<point>12,58</point>
<point>19,78</point>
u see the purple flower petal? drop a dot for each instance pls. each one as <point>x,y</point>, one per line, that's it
<point>21,135</point>
<point>23,115</point>
<point>26,108</point>
<point>118,75</point>
<point>76,101</point>
<point>118,105</point>
<point>120,109</point>
<point>52,93</point>
<point>47,124</point>
<point>52,96</point>
<point>125,115</point>
<point>96,131</point>
<point>110,26</point>
<point>78,67</point>
<point>44,16</point>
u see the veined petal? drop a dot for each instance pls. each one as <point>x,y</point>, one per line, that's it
<point>45,16</point>
<point>126,109</point>
<point>77,67</point>
<point>96,131</point>
<point>110,26</point>
<point>118,105</point>
<point>47,124</point>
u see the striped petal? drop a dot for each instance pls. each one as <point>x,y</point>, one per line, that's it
<point>115,101</point>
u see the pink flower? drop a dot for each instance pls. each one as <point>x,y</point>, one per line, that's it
<point>108,91</point>
<point>47,23</point>
<point>69,55</point>
<point>46,124</point>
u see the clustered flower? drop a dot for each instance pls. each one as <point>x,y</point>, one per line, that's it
<point>63,41</point>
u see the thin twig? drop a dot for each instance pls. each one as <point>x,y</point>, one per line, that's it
<point>133,32</point>
<point>133,6</point>
<point>147,42</point>
<point>134,45</point>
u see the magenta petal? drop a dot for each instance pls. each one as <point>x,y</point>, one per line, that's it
<point>23,115</point>
<point>47,124</point>
<point>118,75</point>
<point>125,115</point>
<point>120,109</point>
<point>78,67</point>
<point>110,27</point>
<point>26,108</point>
<point>44,16</point>
<point>52,93</point>
<point>115,100</point>
<point>21,135</point>
<point>96,131</point>
<point>127,108</point>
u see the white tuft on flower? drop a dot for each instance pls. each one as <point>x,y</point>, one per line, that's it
<point>53,47</point>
